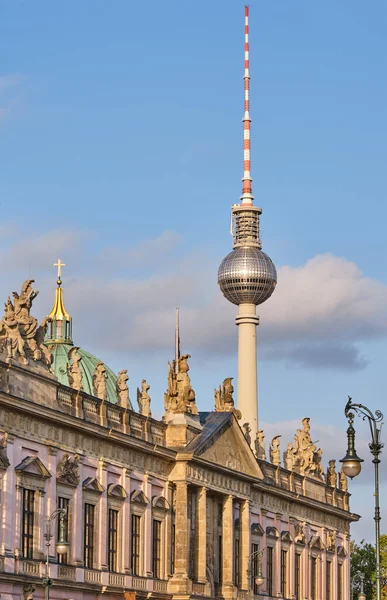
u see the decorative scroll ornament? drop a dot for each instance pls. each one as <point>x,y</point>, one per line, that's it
<point>74,369</point>
<point>20,335</point>
<point>180,397</point>
<point>224,401</point>
<point>122,388</point>
<point>143,399</point>
<point>68,470</point>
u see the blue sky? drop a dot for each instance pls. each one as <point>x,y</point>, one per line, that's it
<point>121,151</point>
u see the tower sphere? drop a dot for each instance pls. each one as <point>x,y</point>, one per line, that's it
<point>247,276</point>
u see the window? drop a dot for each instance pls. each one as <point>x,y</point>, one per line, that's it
<point>297,576</point>
<point>112,540</point>
<point>173,548</point>
<point>284,573</point>
<point>254,566</point>
<point>269,570</point>
<point>339,581</point>
<point>328,594</point>
<point>236,562</point>
<point>135,549</point>
<point>28,523</point>
<point>313,578</point>
<point>88,536</point>
<point>156,558</point>
<point>63,503</point>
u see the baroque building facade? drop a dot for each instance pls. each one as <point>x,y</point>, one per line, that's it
<point>188,506</point>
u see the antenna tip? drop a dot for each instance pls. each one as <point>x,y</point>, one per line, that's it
<point>246,10</point>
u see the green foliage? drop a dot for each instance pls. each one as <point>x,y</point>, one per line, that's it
<point>363,560</point>
<point>383,564</point>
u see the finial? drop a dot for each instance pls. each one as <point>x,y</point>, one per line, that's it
<point>247,195</point>
<point>59,264</point>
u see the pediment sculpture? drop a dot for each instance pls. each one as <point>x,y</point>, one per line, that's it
<point>223,396</point>
<point>303,456</point>
<point>143,399</point>
<point>122,388</point>
<point>180,397</point>
<point>20,335</point>
<point>74,370</point>
<point>68,470</point>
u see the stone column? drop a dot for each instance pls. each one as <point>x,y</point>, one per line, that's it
<point>228,547</point>
<point>201,534</point>
<point>180,583</point>
<point>244,544</point>
<point>10,507</point>
<point>101,537</point>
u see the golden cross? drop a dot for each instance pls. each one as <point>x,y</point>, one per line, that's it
<point>59,264</point>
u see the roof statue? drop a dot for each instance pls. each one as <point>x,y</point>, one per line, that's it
<point>223,396</point>
<point>122,388</point>
<point>246,432</point>
<point>74,369</point>
<point>259,443</point>
<point>180,397</point>
<point>20,335</point>
<point>289,457</point>
<point>343,481</point>
<point>99,381</point>
<point>303,456</point>
<point>331,474</point>
<point>143,399</point>
<point>275,455</point>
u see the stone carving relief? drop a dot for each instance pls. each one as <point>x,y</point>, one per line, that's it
<point>300,533</point>
<point>275,455</point>
<point>74,369</point>
<point>223,396</point>
<point>259,444</point>
<point>143,399</point>
<point>68,470</point>
<point>20,335</point>
<point>331,474</point>
<point>122,388</point>
<point>343,481</point>
<point>99,381</point>
<point>331,541</point>
<point>180,397</point>
<point>28,591</point>
<point>4,462</point>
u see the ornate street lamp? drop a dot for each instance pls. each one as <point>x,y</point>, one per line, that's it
<point>361,595</point>
<point>259,578</point>
<point>352,466</point>
<point>61,545</point>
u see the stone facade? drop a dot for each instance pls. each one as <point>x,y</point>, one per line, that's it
<point>178,507</point>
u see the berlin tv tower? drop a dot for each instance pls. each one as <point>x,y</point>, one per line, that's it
<point>247,276</point>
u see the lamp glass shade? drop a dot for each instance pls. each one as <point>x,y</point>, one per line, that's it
<point>62,548</point>
<point>351,467</point>
<point>259,580</point>
<point>361,596</point>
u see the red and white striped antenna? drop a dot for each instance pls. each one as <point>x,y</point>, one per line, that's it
<point>247,195</point>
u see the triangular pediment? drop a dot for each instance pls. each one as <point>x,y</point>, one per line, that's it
<point>93,485</point>
<point>139,497</point>
<point>222,442</point>
<point>316,542</point>
<point>32,465</point>
<point>341,551</point>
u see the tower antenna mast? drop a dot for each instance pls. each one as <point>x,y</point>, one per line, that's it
<point>247,194</point>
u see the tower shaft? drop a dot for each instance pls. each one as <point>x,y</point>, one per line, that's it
<point>247,321</point>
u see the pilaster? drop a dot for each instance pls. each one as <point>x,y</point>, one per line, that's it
<point>147,546</point>
<point>201,534</point>
<point>228,588</point>
<point>180,583</point>
<point>245,545</point>
<point>102,518</point>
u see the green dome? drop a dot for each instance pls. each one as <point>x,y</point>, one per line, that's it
<point>60,354</point>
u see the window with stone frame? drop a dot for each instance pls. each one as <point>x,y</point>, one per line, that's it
<point>116,497</point>
<point>236,562</point>
<point>88,535</point>
<point>313,577</point>
<point>192,506</point>
<point>28,517</point>
<point>156,548</point>
<point>297,575</point>
<point>112,539</point>
<point>135,551</point>
<point>269,570</point>
<point>340,568</point>
<point>328,581</point>
<point>63,503</point>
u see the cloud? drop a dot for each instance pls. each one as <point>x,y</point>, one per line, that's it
<point>317,317</point>
<point>9,81</point>
<point>7,85</point>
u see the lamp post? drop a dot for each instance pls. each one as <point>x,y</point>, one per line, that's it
<point>258,578</point>
<point>352,464</point>
<point>61,545</point>
<point>361,595</point>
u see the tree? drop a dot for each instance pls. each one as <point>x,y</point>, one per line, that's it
<point>383,564</point>
<point>363,560</point>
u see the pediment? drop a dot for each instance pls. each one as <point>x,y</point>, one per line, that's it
<point>139,497</point>
<point>92,485</point>
<point>341,551</point>
<point>316,542</point>
<point>160,502</point>
<point>115,490</point>
<point>272,532</point>
<point>222,442</point>
<point>286,536</point>
<point>257,529</point>
<point>33,466</point>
